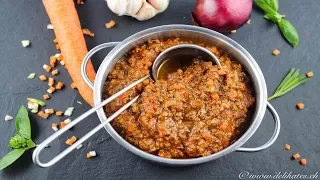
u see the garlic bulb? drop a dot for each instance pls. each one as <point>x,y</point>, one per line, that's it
<point>160,5</point>
<point>139,9</point>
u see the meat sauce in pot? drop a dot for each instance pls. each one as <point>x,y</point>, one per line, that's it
<point>195,111</point>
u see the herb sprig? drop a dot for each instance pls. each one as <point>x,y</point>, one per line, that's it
<point>270,7</point>
<point>21,141</point>
<point>291,81</point>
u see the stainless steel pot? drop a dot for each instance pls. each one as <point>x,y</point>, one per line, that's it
<point>189,32</point>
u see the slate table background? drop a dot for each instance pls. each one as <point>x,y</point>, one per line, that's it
<point>27,19</point>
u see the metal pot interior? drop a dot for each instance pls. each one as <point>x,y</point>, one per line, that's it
<point>199,35</point>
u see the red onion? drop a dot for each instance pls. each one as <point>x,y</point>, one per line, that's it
<point>222,15</point>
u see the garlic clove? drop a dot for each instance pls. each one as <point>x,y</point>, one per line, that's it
<point>139,9</point>
<point>118,6</point>
<point>133,7</point>
<point>160,5</point>
<point>146,12</point>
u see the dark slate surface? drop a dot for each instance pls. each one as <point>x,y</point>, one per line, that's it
<point>27,20</point>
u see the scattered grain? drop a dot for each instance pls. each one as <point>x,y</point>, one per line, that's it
<point>59,113</point>
<point>303,161</point>
<point>46,96</point>
<point>43,115</point>
<point>309,74</point>
<point>47,68</point>
<point>73,86</point>
<point>53,61</point>
<point>110,24</point>
<point>51,90</point>
<point>49,111</point>
<point>296,156</point>
<point>59,85</point>
<point>276,52</point>
<point>51,82</point>
<point>300,105</point>
<point>287,147</point>
<point>43,78</point>
<point>55,72</point>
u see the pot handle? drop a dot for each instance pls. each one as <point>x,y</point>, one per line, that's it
<point>87,58</point>
<point>274,135</point>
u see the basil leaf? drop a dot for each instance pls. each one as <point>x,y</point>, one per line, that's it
<point>268,6</point>
<point>289,32</point>
<point>274,17</point>
<point>30,144</point>
<point>274,4</point>
<point>23,123</point>
<point>12,156</point>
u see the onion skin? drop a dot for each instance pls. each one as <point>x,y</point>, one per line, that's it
<point>222,15</point>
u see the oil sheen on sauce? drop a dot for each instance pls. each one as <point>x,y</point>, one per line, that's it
<point>173,64</point>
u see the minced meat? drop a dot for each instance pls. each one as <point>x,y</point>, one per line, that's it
<point>196,111</point>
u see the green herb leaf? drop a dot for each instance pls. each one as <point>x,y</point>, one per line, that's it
<point>8,159</point>
<point>289,32</point>
<point>291,81</point>
<point>274,17</point>
<point>268,6</point>
<point>274,4</point>
<point>30,144</point>
<point>23,127</point>
<point>21,141</point>
<point>292,70</point>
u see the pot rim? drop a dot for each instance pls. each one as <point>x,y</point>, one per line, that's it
<point>260,105</point>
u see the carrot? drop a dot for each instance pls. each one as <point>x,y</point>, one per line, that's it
<point>62,124</point>
<point>46,96</point>
<point>42,77</point>
<point>73,85</point>
<point>65,20</point>
<point>69,142</point>
<point>59,113</point>
<point>110,24</point>
<point>59,85</point>
<point>55,72</point>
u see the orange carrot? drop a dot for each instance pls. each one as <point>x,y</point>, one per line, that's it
<point>69,142</point>
<point>65,20</point>
<point>59,113</point>
<point>62,124</point>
